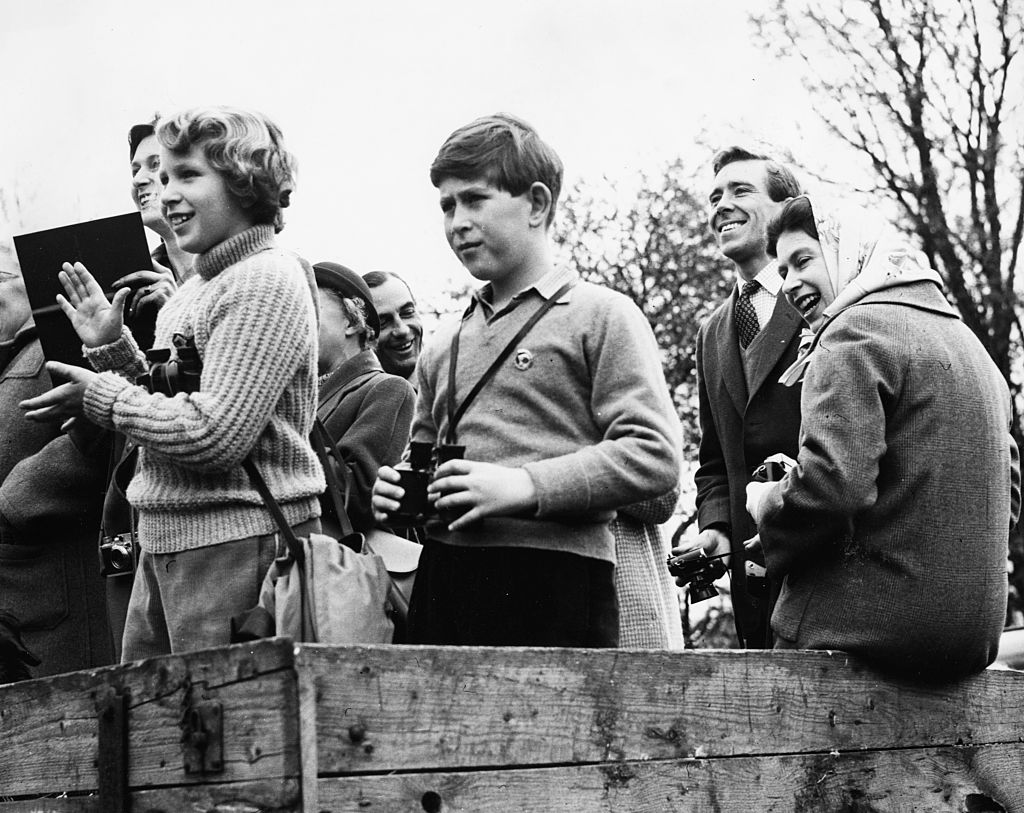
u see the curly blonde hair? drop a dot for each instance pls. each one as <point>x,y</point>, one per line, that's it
<point>245,147</point>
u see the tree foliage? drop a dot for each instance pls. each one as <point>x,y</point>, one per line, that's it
<point>929,93</point>
<point>655,248</point>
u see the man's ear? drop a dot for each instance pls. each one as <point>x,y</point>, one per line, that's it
<point>540,204</point>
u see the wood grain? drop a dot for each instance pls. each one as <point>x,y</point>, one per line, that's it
<point>48,727</point>
<point>448,708</point>
<point>442,729</point>
<point>932,780</point>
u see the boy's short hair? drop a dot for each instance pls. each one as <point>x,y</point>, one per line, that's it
<point>795,215</point>
<point>506,151</point>
<point>245,147</point>
<point>781,182</point>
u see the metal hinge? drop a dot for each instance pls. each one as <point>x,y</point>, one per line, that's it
<point>202,738</point>
<point>112,750</point>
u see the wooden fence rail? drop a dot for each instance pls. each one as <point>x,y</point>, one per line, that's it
<point>282,727</point>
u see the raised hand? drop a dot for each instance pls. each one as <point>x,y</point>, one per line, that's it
<point>95,320</point>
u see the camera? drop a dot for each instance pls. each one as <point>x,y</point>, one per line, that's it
<point>118,555</point>
<point>698,570</point>
<point>414,477</point>
<point>773,469</point>
<point>170,373</point>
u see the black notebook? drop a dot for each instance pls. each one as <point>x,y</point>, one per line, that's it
<point>110,248</point>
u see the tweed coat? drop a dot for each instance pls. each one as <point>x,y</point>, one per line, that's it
<point>367,413</point>
<point>51,494</point>
<point>648,597</point>
<point>740,426</point>
<point>891,534</point>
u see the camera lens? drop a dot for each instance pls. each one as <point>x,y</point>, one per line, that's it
<point>158,379</point>
<point>119,558</point>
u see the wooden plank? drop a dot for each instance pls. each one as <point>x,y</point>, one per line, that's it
<point>308,753</point>
<point>48,727</point>
<point>934,780</point>
<point>444,708</point>
<point>271,796</point>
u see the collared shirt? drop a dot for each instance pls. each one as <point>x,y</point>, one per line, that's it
<point>547,286</point>
<point>763,299</point>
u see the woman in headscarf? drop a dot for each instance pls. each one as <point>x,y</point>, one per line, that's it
<point>891,529</point>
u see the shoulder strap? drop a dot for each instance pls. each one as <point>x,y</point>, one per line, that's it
<point>325,446</point>
<point>292,541</point>
<point>455,414</point>
<point>326,450</point>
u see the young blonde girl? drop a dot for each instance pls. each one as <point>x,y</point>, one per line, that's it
<point>205,536</point>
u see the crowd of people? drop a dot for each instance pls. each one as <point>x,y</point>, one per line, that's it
<point>556,445</point>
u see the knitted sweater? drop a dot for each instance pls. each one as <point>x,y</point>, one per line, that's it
<point>581,404</point>
<point>249,309</point>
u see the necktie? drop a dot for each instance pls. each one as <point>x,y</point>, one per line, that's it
<point>746,317</point>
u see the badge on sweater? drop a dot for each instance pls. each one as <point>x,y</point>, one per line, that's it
<point>523,359</point>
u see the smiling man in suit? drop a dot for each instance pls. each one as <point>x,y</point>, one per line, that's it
<point>742,350</point>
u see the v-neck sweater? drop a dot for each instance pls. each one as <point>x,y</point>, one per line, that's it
<point>581,404</point>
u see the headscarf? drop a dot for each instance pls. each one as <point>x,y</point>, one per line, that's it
<point>863,254</point>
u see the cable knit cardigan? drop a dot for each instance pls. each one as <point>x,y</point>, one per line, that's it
<point>250,311</point>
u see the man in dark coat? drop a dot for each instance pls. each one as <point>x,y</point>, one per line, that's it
<point>745,414</point>
<point>51,493</point>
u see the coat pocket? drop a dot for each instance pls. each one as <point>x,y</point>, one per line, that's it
<point>34,585</point>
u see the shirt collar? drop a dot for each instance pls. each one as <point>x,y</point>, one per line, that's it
<point>768,278</point>
<point>547,286</point>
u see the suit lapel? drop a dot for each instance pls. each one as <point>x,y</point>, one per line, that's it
<point>729,360</point>
<point>778,334</point>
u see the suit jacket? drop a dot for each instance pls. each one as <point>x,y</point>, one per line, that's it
<point>367,413</point>
<point>892,532</point>
<point>742,423</point>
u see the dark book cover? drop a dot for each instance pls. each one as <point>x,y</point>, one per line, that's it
<point>111,248</point>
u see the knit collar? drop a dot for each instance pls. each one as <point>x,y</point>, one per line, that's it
<point>235,249</point>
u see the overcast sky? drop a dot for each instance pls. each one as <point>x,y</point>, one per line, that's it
<point>366,92</point>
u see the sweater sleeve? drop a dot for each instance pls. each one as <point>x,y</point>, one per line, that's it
<point>122,356</point>
<point>638,456</point>
<point>843,440</point>
<point>260,329</point>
